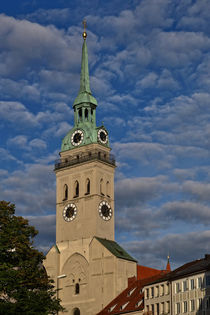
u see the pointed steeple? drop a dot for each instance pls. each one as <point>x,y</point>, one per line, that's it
<point>168,266</point>
<point>84,95</point>
<point>85,104</point>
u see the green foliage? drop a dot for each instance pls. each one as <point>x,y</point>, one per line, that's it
<point>24,285</point>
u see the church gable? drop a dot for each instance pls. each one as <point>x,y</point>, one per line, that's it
<point>76,271</point>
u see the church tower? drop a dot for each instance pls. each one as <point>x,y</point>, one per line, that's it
<point>88,267</point>
<point>85,171</point>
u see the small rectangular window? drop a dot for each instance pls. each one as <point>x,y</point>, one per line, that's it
<point>192,284</point>
<point>200,304</point>
<point>200,283</point>
<point>152,292</point>
<point>207,281</point>
<point>168,307</point>
<point>177,287</point>
<point>185,285</point>
<point>167,288</point>
<point>178,308</point>
<point>147,293</point>
<point>185,306</point>
<point>192,305</point>
<point>162,289</point>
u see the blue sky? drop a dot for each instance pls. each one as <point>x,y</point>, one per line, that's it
<point>149,63</point>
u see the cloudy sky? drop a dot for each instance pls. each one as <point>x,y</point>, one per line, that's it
<point>149,63</point>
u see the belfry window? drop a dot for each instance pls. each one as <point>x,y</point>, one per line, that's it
<point>87,186</point>
<point>101,186</point>
<point>65,192</point>
<point>77,288</point>
<point>108,189</point>
<point>80,114</point>
<point>86,113</point>
<point>76,189</point>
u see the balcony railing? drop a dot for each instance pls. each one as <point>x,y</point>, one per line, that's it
<point>91,156</point>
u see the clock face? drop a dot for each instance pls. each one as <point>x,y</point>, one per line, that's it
<point>105,210</point>
<point>69,212</point>
<point>77,137</point>
<point>102,136</point>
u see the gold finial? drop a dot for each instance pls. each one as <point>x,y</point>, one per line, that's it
<point>84,34</point>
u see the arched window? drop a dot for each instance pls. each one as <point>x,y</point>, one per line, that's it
<point>91,114</point>
<point>76,189</point>
<point>77,288</point>
<point>108,189</point>
<point>101,186</point>
<point>87,186</point>
<point>86,113</point>
<point>65,192</point>
<point>76,311</point>
<point>80,114</point>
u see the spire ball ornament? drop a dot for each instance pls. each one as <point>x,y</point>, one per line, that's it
<point>84,34</point>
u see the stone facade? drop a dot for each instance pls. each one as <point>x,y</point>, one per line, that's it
<point>157,298</point>
<point>184,291</point>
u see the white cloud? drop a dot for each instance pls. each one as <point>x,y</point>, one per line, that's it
<point>5,155</point>
<point>31,189</point>
<point>50,16</point>
<point>153,252</point>
<point>198,190</point>
<point>18,89</point>
<point>148,81</point>
<point>17,113</point>
<point>19,141</point>
<point>178,49</point>
<point>38,144</point>
<point>187,211</point>
<point>133,191</point>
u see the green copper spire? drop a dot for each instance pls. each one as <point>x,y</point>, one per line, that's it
<point>85,131</point>
<point>85,95</point>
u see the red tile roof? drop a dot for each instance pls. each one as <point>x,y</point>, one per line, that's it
<point>144,272</point>
<point>132,298</point>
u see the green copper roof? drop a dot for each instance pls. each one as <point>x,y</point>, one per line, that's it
<point>84,95</point>
<point>115,249</point>
<point>84,112</point>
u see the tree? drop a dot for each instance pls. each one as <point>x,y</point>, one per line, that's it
<point>24,285</point>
